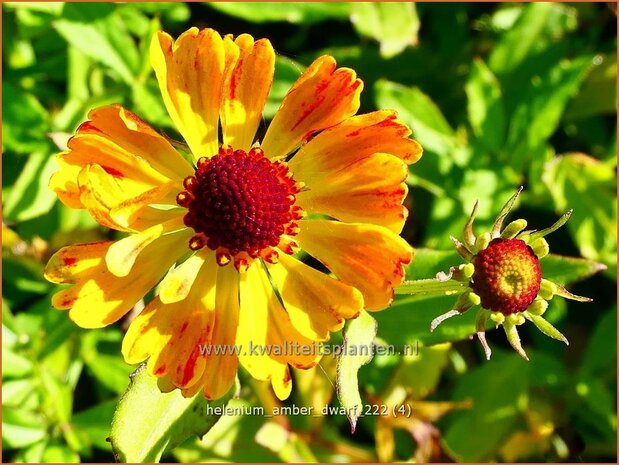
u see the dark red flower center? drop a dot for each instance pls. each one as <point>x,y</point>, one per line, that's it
<point>507,276</point>
<point>240,204</point>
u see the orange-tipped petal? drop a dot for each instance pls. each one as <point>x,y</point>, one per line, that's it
<point>323,96</point>
<point>369,191</point>
<point>125,147</point>
<point>137,137</point>
<point>100,298</point>
<point>353,139</point>
<point>371,258</point>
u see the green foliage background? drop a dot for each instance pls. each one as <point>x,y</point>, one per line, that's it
<point>499,95</point>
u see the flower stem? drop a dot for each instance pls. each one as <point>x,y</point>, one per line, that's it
<point>430,286</point>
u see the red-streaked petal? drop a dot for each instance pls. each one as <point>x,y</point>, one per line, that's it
<point>368,257</point>
<point>191,75</point>
<point>246,90</point>
<point>322,97</point>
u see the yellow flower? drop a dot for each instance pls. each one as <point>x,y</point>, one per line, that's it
<point>219,236</point>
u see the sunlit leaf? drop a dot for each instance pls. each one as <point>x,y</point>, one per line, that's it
<point>148,422</point>
<point>30,196</point>
<point>393,24</point>
<point>429,125</point>
<point>21,428</point>
<point>589,187</point>
<point>499,393</point>
<point>99,33</point>
<point>291,12</point>
<point>24,121</point>
<point>485,106</point>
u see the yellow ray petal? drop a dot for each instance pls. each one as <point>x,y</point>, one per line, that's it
<point>157,328</point>
<point>71,262</point>
<point>177,284</point>
<point>253,331</point>
<point>101,193</point>
<point>190,72</point>
<point>281,332</point>
<point>134,136</point>
<point>370,190</point>
<point>322,97</point>
<point>129,212</point>
<point>246,90</point>
<point>368,257</point>
<point>315,302</point>
<point>220,369</point>
<point>122,254</point>
<point>100,298</point>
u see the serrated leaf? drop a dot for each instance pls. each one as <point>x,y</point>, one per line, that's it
<point>394,25</point>
<point>148,422</point>
<point>357,351</point>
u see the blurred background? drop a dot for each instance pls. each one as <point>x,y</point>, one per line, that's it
<point>499,95</point>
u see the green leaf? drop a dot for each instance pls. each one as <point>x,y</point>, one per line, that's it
<point>485,106</point>
<point>420,372</point>
<point>30,196</point>
<point>95,423</point>
<point>538,24</point>
<point>58,397</point>
<point>537,115</point>
<point>429,125</point>
<point>565,270</point>
<point>598,94</point>
<point>111,371</point>
<point>357,351</point>
<point>499,393</point>
<point>15,365</point>
<point>95,30</point>
<point>148,422</point>
<point>600,357</point>
<point>21,428</point>
<point>589,187</point>
<point>232,439</point>
<point>395,24</point>
<point>24,122</point>
<point>59,453</point>
<point>291,12</point>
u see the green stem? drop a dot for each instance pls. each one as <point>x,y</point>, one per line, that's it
<point>430,286</point>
